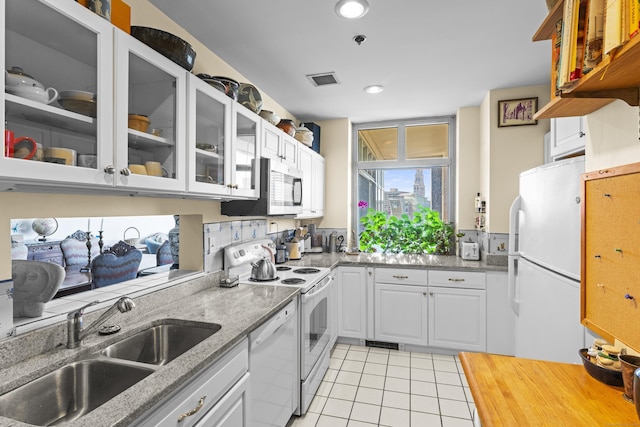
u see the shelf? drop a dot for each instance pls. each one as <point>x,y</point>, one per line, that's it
<point>33,111</point>
<point>139,139</point>
<point>616,77</point>
<point>548,26</point>
<point>206,153</point>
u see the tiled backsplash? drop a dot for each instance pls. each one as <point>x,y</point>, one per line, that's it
<point>218,235</point>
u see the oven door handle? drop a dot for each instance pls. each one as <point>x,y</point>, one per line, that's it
<point>315,290</point>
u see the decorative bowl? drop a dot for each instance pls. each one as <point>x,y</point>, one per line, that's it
<point>139,122</point>
<point>603,375</point>
<point>269,116</point>
<point>250,97</point>
<point>78,101</point>
<point>304,135</point>
<point>169,45</point>
<point>231,86</point>
<point>288,126</point>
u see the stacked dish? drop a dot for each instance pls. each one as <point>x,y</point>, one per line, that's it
<point>78,101</point>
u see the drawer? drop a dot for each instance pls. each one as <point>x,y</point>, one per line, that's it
<point>202,393</point>
<point>458,279</point>
<point>404,276</point>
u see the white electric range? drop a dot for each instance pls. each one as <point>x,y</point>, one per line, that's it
<point>314,284</point>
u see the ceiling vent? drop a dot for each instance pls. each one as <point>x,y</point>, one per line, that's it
<point>323,79</point>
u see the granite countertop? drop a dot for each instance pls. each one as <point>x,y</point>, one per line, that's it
<point>435,262</point>
<point>239,310</point>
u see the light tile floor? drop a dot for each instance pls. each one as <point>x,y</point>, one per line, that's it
<point>368,386</point>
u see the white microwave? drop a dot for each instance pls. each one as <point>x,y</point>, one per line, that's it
<point>280,193</point>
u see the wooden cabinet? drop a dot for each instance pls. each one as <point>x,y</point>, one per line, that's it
<point>219,393</point>
<point>567,137</point>
<point>278,146</point>
<point>312,166</point>
<point>457,310</point>
<point>352,301</point>
<point>609,80</point>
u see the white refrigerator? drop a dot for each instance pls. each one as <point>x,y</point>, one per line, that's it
<point>544,262</point>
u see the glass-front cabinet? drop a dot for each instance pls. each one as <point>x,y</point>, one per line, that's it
<point>208,138</point>
<point>245,167</point>
<point>58,108</point>
<point>150,117</point>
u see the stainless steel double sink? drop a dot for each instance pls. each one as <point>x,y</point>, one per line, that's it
<point>77,388</point>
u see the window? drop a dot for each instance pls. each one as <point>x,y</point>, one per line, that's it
<point>401,166</point>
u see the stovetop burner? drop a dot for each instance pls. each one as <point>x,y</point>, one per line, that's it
<point>283,268</point>
<point>251,279</point>
<point>293,281</point>
<point>306,270</point>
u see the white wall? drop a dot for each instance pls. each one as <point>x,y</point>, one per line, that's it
<point>468,182</point>
<point>612,136</point>
<point>506,152</point>
<point>335,147</point>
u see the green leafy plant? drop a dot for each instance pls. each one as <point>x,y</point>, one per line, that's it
<point>425,233</point>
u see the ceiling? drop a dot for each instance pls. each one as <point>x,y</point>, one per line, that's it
<point>431,56</point>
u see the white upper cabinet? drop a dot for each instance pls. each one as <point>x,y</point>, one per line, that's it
<point>66,47</point>
<point>568,137</point>
<point>150,85</point>
<point>312,166</point>
<point>277,145</point>
<point>244,173</point>
<point>208,138</point>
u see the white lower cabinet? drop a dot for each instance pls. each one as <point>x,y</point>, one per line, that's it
<point>458,318</point>
<point>400,313</point>
<point>352,301</point>
<point>215,397</point>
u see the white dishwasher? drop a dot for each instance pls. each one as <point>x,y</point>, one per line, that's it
<point>273,367</point>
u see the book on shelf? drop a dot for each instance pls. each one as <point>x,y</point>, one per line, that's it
<point>634,17</point>
<point>594,35</point>
<point>613,26</point>
<point>556,38</point>
<point>573,41</point>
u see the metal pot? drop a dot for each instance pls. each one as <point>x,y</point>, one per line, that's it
<point>263,270</point>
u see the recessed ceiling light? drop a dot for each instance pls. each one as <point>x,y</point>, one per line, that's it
<point>374,89</point>
<point>352,9</point>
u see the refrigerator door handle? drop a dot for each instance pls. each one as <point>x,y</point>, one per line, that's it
<point>514,254</point>
<point>513,293</point>
<point>514,214</point>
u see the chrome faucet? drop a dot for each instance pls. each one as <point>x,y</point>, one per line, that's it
<point>75,333</point>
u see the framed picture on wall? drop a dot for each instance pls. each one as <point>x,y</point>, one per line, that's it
<point>517,112</point>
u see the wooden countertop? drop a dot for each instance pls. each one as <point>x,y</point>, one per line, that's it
<point>510,391</point>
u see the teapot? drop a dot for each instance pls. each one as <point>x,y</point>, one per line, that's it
<point>17,82</point>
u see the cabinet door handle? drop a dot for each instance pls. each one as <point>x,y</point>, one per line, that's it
<point>456,280</point>
<point>581,134</point>
<point>110,170</point>
<point>425,294</point>
<point>400,277</point>
<point>431,293</point>
<point>194,410</point>
<point>125,172</point>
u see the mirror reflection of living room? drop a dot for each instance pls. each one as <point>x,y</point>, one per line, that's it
<point>65,242</point>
